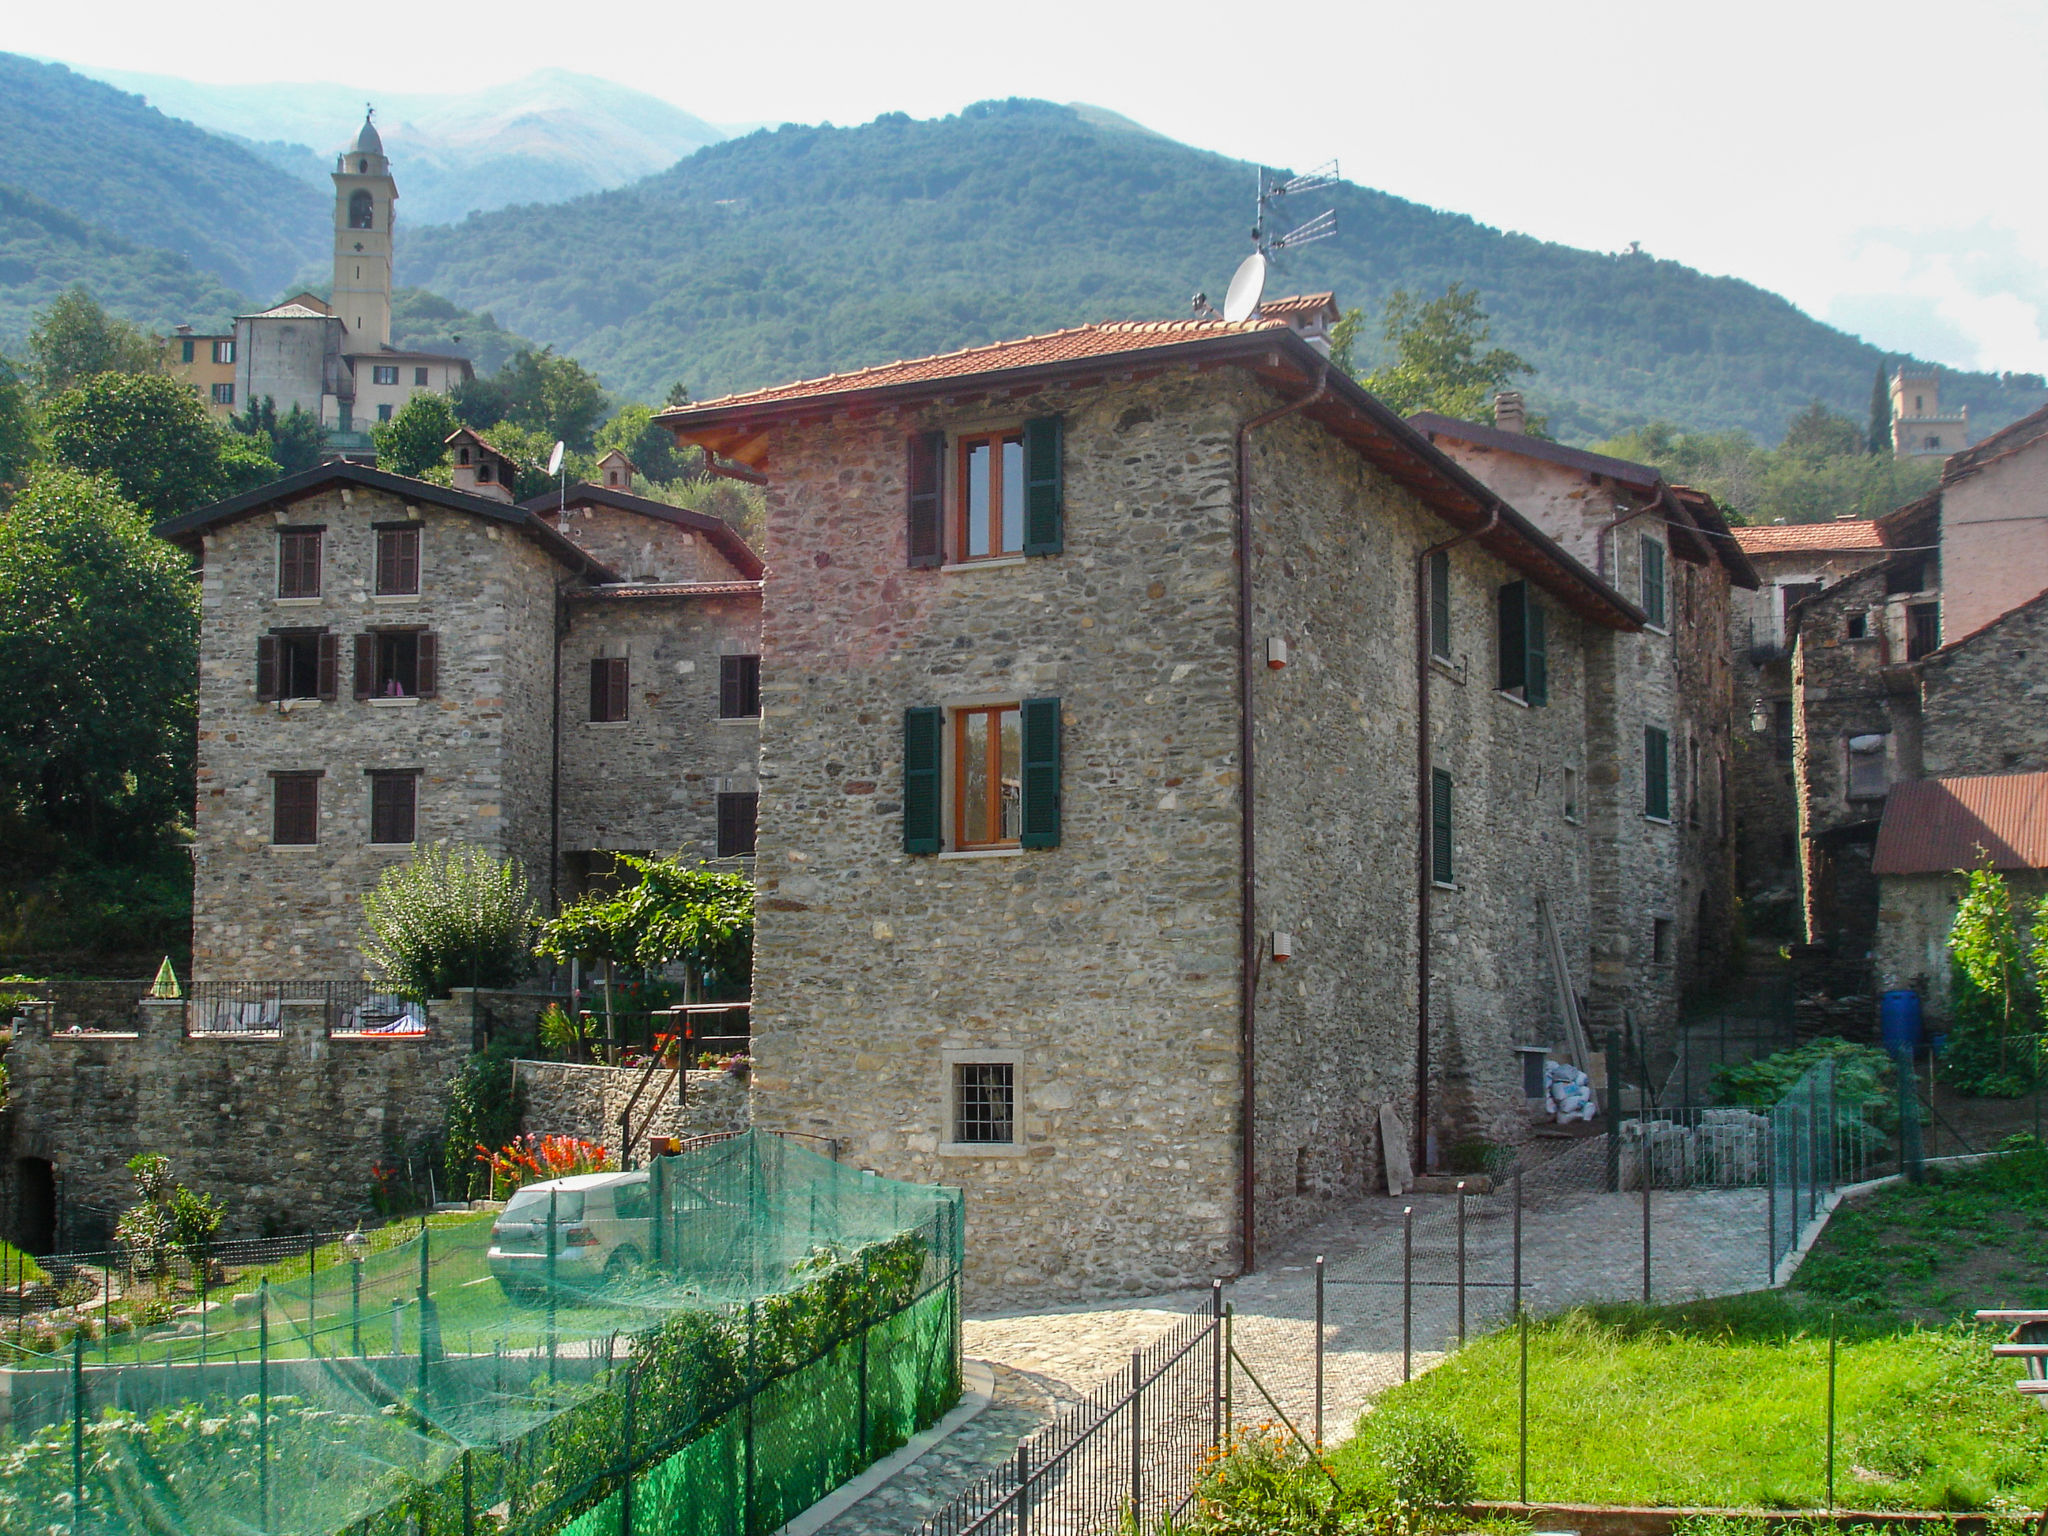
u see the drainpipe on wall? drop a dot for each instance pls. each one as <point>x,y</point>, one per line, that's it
<point>555,764</point>
<point>1248,938</point>
<point>1426,828</point>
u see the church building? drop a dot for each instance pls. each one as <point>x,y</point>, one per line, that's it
<point>334,357</point>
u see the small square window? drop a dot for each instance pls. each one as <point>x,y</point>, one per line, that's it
<point>223,394</point>
<point>298,562</point>
<point>984,1103</point>
<point>394,807</point>
<point>1859,626</point>
<point>398,561</point>
<point>739,687</point>
<point>384,412</point>
<point>738,815</point>
<point>419,378</point>
<point>294,809</point>
<point>384,374</point>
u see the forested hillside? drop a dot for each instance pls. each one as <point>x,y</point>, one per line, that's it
<point>109,159</point>
<point>801,250</point>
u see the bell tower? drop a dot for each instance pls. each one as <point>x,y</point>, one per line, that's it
<point>365,203</point>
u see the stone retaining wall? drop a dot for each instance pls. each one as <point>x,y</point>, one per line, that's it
<point>568,1099</point>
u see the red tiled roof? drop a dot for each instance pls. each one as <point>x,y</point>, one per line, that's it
<point>2004,442</point>
<point>1934,826</point>
<point>1081,342</point>
<point>1843,533</point>
<point>1302,304</point>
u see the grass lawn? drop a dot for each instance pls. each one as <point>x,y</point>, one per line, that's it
<point>1723,1403</point>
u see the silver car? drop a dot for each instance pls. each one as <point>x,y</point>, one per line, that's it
<point>603,1223</point>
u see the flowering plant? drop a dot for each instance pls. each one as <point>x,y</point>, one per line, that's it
<point>535,1159</point>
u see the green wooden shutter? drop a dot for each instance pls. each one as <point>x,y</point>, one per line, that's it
<point>927,532</point>
<point>1536,654</point>
<point>1512,635</point>
<point>1440,605</point>
<point>1653,581</point>
<point>1656,773</point>
<point>1044,499</point>
<point>1441,869</point>
<point>1040,722</point>
<point>924,730</point>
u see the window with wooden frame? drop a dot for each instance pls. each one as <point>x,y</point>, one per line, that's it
<point>1442,868</point>
<point>992,495</point>
<point>397,664</point>
<point>1656,773</point>
<point>739,687</point>
<point>295,664</point>
<point>298,562</point>
<point>609,678</point>
<point>1653,584</point>
<point>738,814</point>
<point>988,777</point>
<point>294,809</point>
<point>988,518</point>
<point>398,559</point>
<point>394,806</point>
<point>1524,650</point>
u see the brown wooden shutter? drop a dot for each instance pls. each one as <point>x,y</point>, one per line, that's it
<point>295,808</point>
<point>737,816</point>
<point>927,527</point>
<point>428,671</point>
<point>266,668</point>
<point>394,807</point>
<point>366,665</point>
<point>329,667</point>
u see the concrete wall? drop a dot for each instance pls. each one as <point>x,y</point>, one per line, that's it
<point>573,1099</point>
<point>482,745</point>
<point>651,782</point>
<point>284,1129</point>
<point>1994,540</point>
<point>286,360</point>
<point>1915,913</point>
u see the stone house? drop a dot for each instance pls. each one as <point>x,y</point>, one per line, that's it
<point>1665,888</point>
<point>1168,758</point>
<point>1793,561</point>
<point>386,662</point>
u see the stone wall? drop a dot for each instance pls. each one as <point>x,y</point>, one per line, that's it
<point>481,745</point>
<point>1984,704</point>
<point>285,1129</point>
<point>647,548</point>
<point>1915,913</point>
<point>651,782</point>
<point>572,1099</point>
<point>1702,751</point>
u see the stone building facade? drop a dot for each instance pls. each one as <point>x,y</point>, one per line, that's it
<point>386,663</point>
<point>1664,878</point>
<point>1052,977</point>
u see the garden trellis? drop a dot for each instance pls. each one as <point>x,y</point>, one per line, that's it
<point>794,1320</point>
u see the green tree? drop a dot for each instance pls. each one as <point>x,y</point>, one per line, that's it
<point>449,917</point>
<point>18,447</point>
<point>1438,362</point>
<point>653,451</point>
<point>75,339</point>
<point>1879,437</point>
<point>151,437</point>
<point>99,628</point>
<point>293,440</point>
<point>1990,944</point>
<point>1818,433</point>
<point>552,395</point>
<point>415,439</point>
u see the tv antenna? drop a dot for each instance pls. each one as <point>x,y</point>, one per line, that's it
<point>1248,282</point>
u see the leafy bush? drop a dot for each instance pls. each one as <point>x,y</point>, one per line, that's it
<point>1264,1484</point>
<point>1427,1461</point>
<point>166,1218</point>
<point>449,917</point>
<point>1984,1058</point>
<point>483,1109</point>
<point>1863,1073</point>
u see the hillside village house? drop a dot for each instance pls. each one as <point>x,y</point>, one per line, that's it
<point>1168,758</point>
<point>1665,888</point>
<point>385,662</point>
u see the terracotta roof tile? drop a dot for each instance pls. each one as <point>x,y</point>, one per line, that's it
<point>620,591</point>
<point>1303,304</point>
<point>1082,341</point>
<point>1800,538</point>
<point>1934,826</point>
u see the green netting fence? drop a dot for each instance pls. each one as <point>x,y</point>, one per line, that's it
<point>703,1348</point>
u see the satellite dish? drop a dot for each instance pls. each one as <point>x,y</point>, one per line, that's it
<point>555,460</point>
<point>1247,287</point>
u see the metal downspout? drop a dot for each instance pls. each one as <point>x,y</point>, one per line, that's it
<point>1248,939</point>
<point>555,765</point>
<point>1425,817</point>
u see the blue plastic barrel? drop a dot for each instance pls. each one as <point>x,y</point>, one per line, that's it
<point>1899,1016</point>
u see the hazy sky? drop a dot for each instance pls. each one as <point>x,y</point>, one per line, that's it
<point>1862,160</point>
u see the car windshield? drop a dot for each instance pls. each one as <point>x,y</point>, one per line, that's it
<point>532,1205</point>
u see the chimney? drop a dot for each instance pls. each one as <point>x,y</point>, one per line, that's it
<point>1508,415</point>
<point>479,468</point>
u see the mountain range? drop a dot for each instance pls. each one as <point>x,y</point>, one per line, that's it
<point>795,251</point>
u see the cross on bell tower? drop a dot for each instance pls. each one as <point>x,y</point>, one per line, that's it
<point>365,205</point>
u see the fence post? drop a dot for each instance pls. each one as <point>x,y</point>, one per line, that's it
<point>1137,1438</point>
<point>1831,1413</point>
<point>865,1329</point>
<point>77,1428</point>
<point>1229,1373</point>
<point>425,1303</point>
<point>747,1430</point>
<point>1461,1263</point>
<point>1911,1159</point>
<point>553,1203</point>
<point>1643,1167</point>
<point>1024,1490</point>
<point>1522,1415</point>
<point>1812,1146</point>
<point>1611,1109</point>
<point>263,1403</point>
<point>657,1196</point>
<point>205,1286</point>
<point>355,1305</point>
<point>1516,1243</point>
<point>626,1484</point>
<point>1215,1364</point>
<point>1319,1352</point>
<point>313,1295</point>
<point>1407,1292</point>
<point>1770,1158</point>
<point>468,1497</point>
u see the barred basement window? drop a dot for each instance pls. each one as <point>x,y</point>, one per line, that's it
<point>294,809</point>
<point>739,687</point>
<point>984,1103</point>
<point>394,807</point>
<point>738,815</point>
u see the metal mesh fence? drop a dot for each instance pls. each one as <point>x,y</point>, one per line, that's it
<point>707,1345</point>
